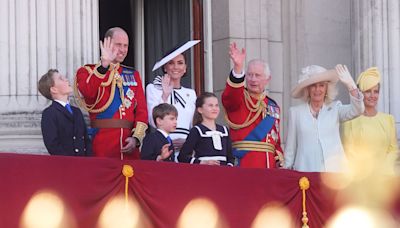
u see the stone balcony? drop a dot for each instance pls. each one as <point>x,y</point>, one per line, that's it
<point>20,133</point>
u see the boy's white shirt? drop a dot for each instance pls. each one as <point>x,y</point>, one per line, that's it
<point>63,103</point>
<point>163,132</point>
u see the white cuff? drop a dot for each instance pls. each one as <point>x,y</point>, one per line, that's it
<point>236,75</point>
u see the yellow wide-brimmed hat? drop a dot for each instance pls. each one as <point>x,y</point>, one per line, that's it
<point>311,75</point>
<point>368,79</point>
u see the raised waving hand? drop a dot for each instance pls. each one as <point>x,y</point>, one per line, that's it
<point>107,53</point>
<point>345,77</point>
<point>238,57</point>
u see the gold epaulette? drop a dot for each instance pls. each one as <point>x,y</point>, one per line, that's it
<point>112,80</point>
<point>92,69</point>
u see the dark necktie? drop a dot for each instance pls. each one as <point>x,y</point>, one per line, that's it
<point>68,107</point>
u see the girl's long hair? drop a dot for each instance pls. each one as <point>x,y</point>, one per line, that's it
<point>197,117</point>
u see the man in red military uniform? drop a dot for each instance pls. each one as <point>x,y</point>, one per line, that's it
<point>252,116</point>
<point>114,97</point>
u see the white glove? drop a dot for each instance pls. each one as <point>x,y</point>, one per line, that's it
<point>345,77</point>
<point>280,160</point>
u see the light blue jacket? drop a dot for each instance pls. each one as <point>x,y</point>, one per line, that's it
<point>314,145</point>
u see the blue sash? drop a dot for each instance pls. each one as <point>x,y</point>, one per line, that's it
<point>129,80</point>
<point>128,76</point>
<point>257,134</point>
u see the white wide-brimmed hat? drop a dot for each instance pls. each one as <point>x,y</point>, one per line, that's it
<point>175,53</point>
<point>311,75</point>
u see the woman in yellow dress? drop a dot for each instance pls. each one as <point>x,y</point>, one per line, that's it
<point>370,137</point>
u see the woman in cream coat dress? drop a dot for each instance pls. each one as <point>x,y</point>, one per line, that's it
<point>313,141</point>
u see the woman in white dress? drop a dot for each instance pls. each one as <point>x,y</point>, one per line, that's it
<point>168,89</point>
<point>313,141</point>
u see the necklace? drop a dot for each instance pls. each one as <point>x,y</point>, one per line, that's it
<point>313,112</point>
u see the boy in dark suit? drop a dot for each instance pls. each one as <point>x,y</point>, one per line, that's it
<point>63,127</point>
<point>158,145</point>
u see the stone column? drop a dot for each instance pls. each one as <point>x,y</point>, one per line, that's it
<point>376,42</point>
<point>255,25</point>
<point>60,34</point>
<point>315,32</point>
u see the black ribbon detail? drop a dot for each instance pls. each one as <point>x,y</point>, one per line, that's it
<point>177,98</point>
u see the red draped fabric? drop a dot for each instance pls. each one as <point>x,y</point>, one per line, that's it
<point>162,189</point>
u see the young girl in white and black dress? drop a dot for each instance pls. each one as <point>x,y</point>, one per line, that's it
<point>208,143</point>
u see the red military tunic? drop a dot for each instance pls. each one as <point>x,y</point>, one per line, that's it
<point>115,100</point>
<point>238,113</point>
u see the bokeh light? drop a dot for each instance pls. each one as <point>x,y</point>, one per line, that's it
<point>273,215</point>
<point>119,213</point>
<point>200,213</point>
<point>44,210</point>
<point>351,217</point>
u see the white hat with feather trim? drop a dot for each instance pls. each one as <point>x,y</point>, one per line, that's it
<point>311,75</point>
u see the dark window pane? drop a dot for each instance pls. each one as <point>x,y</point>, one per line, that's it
<point>167,24</point>
<point>118,13</point>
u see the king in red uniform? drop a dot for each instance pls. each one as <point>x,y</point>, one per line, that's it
<point>114,97</point>
<point>252,116</point>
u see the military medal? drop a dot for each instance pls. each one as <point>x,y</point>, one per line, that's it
<point>133,81</point>
<point>125,83</point>
<point>127,103</point>
<point>270,111</point>
<point>118,77</point>
<point>130,94</point>
<point>273,111</point>
<point>277,112</point>
<point>274,135</point>
<point>277,125</point>
<point>129,79</point>
<point>274,114</point>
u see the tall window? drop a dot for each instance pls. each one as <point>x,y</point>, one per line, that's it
<point>118,13</point>
<point>167,23</point>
